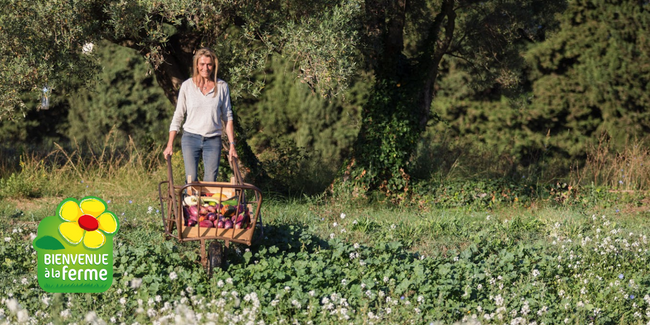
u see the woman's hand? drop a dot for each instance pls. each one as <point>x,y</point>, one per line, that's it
<point>168,151</point>
<point>170,145</point>
<point>232,152</point>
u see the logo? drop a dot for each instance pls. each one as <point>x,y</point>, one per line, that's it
<point>75,247</point>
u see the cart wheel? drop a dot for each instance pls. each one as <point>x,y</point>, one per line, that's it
<point>215,256</point>
<point>259,229</point>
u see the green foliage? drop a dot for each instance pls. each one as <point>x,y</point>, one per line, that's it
<point>32,180</point>
<point>592,76</point>
<point>300,137</point>
<point>587,79</point>
<point>33,53</point>
<point>487,37</point>
<point>386,140</point>
<point>446,256</point>
<point>15,186</point>
<point>167,32</point>
<point>125,100</point>
<point>289,110</point>
<point>549,265</point>
<point>37,126</point>
<point>329,60</point>
<point>328,43</point>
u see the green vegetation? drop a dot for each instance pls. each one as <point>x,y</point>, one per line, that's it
<point>498,92</point>
<point>432,163</point>
<point>587,78</point>
<point>329,44</point>
<point>556,254</point>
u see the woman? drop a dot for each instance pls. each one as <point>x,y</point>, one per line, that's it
<point>205,100</point>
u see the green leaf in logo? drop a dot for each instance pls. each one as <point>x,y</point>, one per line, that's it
<point>48,242</point>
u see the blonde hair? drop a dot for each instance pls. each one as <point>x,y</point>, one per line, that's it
<point>195,67</point>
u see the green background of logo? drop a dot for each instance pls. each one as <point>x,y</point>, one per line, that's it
<point>50,241</point>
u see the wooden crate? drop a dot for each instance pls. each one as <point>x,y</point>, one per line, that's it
<point>244,236</point>
<point>214,188</point>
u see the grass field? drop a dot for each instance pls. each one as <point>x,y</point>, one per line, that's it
<point>568,256</point>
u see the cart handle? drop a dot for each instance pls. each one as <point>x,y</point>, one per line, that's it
<point>234,165</point>
<point>170,178</point>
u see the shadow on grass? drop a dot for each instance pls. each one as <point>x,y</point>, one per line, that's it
<point>287,238</point>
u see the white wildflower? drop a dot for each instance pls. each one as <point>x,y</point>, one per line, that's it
<point>65,313</point>
<point>13,305</point>
<point>87,48</point>
<point>498,300</point>
<point>22,316</point>
<point>91,317</point>
<point>137,282</point>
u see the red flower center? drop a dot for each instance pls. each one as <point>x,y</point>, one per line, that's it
<point>88,222</point>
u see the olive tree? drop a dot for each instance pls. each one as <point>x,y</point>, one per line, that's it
<point>401,42</point>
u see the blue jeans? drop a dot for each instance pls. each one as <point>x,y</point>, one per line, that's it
<point>193,146</point>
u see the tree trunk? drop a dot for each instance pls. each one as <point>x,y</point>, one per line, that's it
<point>398,110</point>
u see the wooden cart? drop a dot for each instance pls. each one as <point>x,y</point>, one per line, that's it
<point>173,198</point>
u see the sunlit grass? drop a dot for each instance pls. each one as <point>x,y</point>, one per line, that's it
<point>343,259</point>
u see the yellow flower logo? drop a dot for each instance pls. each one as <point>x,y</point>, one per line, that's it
<point>87,220</point>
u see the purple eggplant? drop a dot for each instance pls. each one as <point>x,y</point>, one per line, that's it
<point>203,211</point>
<point>206,224</point>
<point>193,211</point>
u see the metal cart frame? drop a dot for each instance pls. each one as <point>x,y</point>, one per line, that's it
<point>171,202</point>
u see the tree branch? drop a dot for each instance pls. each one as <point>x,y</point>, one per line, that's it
<point>436,48</point>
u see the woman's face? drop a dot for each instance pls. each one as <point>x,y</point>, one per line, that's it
<point>205,66</point>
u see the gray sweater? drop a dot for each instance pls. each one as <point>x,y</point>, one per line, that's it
<point>204,112</point>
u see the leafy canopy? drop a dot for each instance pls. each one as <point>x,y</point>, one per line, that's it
<point>42,42</point>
